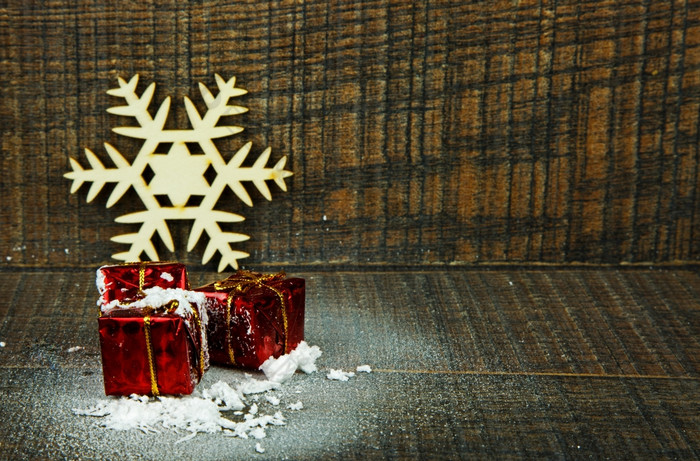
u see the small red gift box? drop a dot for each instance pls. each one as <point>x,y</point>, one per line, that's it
<point>253,317</point>
<point>155,343</point>
<point>127,281</point>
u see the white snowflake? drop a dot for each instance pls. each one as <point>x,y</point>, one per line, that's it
<point>178,173</point>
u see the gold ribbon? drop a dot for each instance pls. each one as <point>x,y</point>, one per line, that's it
<point>151,361</point>
<point>239,284</point>
<point>229,345</point>
<point>201,341</point>
<point>142,277</point>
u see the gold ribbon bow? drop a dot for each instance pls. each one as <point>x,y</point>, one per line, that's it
<point>239,284</point>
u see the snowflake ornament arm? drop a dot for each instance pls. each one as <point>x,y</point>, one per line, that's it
<point>179,174</point>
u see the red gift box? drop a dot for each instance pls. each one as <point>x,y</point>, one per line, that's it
<point>127,281</point>
<point>154,344</point>
<point>253,317</point>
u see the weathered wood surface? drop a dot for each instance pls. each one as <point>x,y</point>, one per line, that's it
<point>419,132</point>
<point>538,363</point>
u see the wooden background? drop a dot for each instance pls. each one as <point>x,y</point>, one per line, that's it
<point>426,132</point>
<point>426,137</point>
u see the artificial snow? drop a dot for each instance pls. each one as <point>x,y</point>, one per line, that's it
<point>187,413</point>
<point>192,414</point>
<point>157,297</point>
<point>75,348</point>
<point>167,276</point>
<point>295,406</point>
<point>248,427</point>
<point>224,396</point>
<point>202,411</point>
<point>253,410</point>
<point>256,386</point>
<point>257,433</point>
<point>200,414</point>
<point>339,375</point>
<point>280,369</point>
<point>100,283</point>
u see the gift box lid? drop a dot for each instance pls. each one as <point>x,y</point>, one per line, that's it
<point>127,281</point>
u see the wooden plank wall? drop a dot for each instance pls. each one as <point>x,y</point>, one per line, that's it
<point>419,132</point>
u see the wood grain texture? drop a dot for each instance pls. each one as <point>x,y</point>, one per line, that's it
<point>427,132</point>
<point>509,363</point>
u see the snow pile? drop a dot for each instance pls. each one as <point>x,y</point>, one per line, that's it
<point>279,370</point>
<point>101,284</point>
<point>339,375</point>
<point>190,413</point>
<point>295,406</point>
<point>202,413</point>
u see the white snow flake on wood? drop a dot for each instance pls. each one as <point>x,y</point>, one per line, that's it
<point>177,173</point>
<point>295,406</point>
<point>339,375</point>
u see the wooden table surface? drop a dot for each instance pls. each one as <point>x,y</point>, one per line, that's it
<point>484,362</point>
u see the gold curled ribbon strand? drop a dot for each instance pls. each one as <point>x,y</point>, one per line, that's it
<point>149,348</point>
<point>229,340</point>
<point>245,277</point>
<point>172,307</point>
<point>142,277</point>
<point>201,341</point>
<point>244,281</point>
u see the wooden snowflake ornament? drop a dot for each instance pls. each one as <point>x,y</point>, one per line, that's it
<point>177,173</point>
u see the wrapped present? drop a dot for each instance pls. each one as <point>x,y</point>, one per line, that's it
<point>122,282</point>
<point>155,344</point>
<point>253,317</point>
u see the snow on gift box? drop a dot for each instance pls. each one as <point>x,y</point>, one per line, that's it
<point>154,343</point>
<point>127,281</point>
<point>253,317</point>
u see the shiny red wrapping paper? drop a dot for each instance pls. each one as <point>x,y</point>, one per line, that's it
<point>126,281</point>
<point>253,317</point>
<point>174,352</point>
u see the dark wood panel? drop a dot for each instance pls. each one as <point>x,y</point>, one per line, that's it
<point>418,132</point>
<point>499,363</point>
